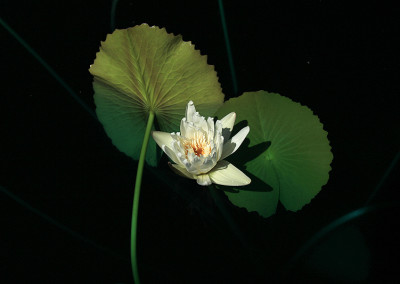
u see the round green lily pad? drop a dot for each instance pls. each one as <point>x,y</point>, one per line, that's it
<point>296,164</point>
<point>143,69</point>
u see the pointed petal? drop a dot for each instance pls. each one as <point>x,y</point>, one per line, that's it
<point>190,111</point>
<point>182,127</point>
<point>200,122</point>
<point>233,144</point>
<point>224,173</point>
<point>171,154</point>
<point>203,180</point>
<point>180,170</point>
<point>210,130</point>
<point>162,138</point>
<point>227,125</point>
<point>218,139</point>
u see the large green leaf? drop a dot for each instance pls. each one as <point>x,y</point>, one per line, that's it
<point>296,164</point>
<point>144,68</point>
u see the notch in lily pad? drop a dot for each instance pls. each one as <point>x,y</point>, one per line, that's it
<point>296,163</point>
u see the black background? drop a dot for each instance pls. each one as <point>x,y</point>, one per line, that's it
<point>339,60</point>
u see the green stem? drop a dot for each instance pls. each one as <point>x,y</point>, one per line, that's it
<point>135,208</point>
<point>48,68</point>
<point>228,47</point>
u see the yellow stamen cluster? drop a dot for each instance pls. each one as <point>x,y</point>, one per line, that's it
<point>199,144</point>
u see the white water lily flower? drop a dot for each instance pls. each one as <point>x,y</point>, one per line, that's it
<point>199,149</point>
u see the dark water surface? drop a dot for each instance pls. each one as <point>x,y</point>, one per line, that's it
<point>340,61</point>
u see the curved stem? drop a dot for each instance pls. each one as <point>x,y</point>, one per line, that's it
<point>136,196</point>
<point>113,12</point>
<point>228,46</point>
<point>48,68</point>
<point>384,177</point>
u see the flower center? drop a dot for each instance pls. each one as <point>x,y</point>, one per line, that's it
<point>198,144</point>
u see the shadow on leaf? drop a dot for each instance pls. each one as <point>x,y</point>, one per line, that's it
<point>244,155</point>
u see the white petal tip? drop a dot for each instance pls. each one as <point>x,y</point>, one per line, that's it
<point>227,174</point>
<point>162,138</point>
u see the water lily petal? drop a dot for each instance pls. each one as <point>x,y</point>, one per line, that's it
<point>200,122</point>
<point>190,111</point>
<point>182,127</point>
<point>190,130</point>
<point>199,146</point>
<point>181,170</point>
<point>204,179</point>
<point>170,153</point>
<point>162,138</point>
<point>198,164</point>
<point>227,124</point>
<point>210,131</point>
<point>218,138</point>
<point>224,173</point>
<point>187,129</point>
<point>233,144</point>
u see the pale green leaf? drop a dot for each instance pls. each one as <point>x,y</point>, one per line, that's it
<point>144,68</point>
<point>294,167</point>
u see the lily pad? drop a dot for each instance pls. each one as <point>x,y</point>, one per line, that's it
<point>297,162</point>
<point>143,69</point>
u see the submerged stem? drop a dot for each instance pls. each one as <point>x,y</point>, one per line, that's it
<point>53,73</point>
<point>216,195</point>
<point>228,46</point>
<point>135,208</point>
